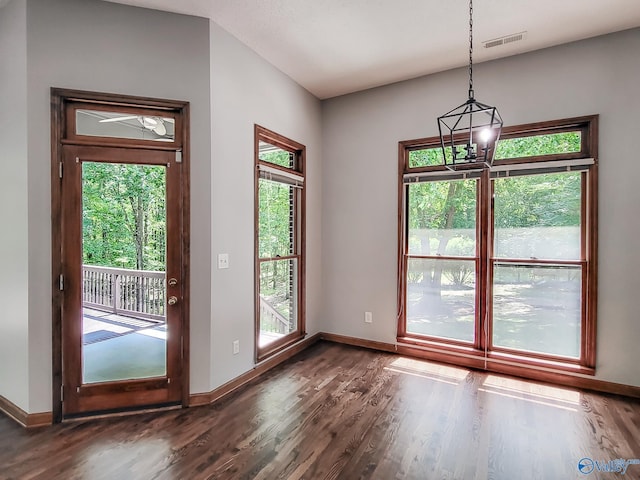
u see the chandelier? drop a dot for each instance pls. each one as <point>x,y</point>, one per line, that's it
<point>469,133</point>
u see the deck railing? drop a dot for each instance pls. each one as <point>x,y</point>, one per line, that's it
<point>137,293</point>
<point>271,320</point>
<point>142,293</point>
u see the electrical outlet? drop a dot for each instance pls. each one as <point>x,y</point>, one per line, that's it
<point>368,317</point>
<point>236,347</point>
<point>223,260</point>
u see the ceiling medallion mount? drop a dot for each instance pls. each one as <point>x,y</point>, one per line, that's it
<point>469,133</point>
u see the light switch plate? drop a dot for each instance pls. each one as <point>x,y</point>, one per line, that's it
<point>223,260</point>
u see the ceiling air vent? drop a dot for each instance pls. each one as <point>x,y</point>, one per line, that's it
<point>496,42</point>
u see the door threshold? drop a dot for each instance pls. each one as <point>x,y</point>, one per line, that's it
<point>122,412</point>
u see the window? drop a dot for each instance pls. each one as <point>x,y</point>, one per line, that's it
<point>442,259</point>
<point>536,263</point>
<point>279,242</point>
<point>99,123</point>
<point>501,264</point>
<point>125,125</point>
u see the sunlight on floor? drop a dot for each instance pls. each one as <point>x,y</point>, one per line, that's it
<point>431,371</point>
<point>532,392</point>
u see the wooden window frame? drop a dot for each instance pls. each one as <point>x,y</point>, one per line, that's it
<point>402,332</point>
<point>299,150</point>
<point>154,109</point>
<point>481,353</point>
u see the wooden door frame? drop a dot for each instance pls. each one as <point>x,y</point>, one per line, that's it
<point>60,99</point>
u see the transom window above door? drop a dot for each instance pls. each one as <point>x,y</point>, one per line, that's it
<point>89,122</point>
<point>98,123</point>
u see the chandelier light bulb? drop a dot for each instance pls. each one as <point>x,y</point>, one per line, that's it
<point>485,135</point>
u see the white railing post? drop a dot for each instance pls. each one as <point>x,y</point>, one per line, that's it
<point>116,292</point>
<point>144,291</point>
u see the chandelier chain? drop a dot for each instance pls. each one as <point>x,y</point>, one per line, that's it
<point>470,49</point>
<point>469,133</point>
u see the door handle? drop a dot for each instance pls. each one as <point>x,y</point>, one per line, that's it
<point>173,282</point>
<point>172,300</point>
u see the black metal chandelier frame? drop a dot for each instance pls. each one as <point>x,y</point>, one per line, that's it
<point>469,133</point>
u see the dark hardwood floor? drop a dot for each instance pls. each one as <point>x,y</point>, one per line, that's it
<point>346,413</point>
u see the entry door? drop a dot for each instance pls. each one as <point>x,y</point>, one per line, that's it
<point>121,282</point>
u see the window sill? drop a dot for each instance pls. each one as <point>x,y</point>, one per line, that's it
<point>467,356</point>
<point>279,345</point>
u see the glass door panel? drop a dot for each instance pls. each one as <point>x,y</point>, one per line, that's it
<point>124,327</point>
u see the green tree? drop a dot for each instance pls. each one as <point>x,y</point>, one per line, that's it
<point>437,209</point>
<point>123,208</point>
<point>553,143</point>
<point>276,234</point>
<point>525,201</point>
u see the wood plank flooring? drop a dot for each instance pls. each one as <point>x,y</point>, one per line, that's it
<point>338,412</point>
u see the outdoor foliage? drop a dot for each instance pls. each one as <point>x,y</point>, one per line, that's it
<point>123,215</point>
<point>277,156</point>
<point>536,216</point>
<point>425,157</point>
<point>553,143</point>
<point>276,238</point>
<point>567,142</point>
<point>550,200</point>
<point>445,211</point>
<point>275,217</point>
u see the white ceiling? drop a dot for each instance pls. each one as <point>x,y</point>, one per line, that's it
<point>333,47</point>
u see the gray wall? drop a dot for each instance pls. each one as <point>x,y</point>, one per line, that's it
<point>246,90</point>
<point>14,360</point>
<point>105,47</point>
<point>360,136</point>
<point>352,212</point>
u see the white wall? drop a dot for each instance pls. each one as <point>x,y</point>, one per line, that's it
<point>360,136</point>
<point>14,313</point>
<point>246,90</point>
<point>107,47</point>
